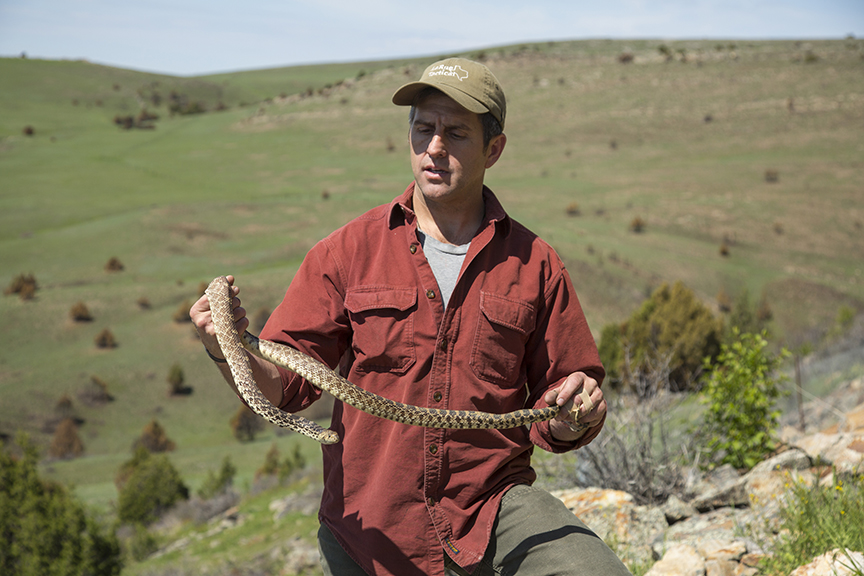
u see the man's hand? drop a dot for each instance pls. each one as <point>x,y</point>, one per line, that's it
<point>578,395</point>
<point>203,320</point>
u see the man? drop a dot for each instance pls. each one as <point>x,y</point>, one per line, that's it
<point>439,299</point>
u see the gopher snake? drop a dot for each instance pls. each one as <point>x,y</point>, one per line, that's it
<point>320,375</point>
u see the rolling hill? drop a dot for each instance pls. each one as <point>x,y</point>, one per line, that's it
<point>743,162</point>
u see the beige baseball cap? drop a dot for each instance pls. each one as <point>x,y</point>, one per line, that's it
<point>469,83</point>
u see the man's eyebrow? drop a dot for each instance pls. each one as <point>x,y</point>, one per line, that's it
<point>452,126</point>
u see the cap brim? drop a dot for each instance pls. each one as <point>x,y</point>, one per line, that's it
<point>406,94</point>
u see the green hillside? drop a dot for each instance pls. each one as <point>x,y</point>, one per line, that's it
<point>681,138</point>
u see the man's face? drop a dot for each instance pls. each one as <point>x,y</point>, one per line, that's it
<point>447,155</point>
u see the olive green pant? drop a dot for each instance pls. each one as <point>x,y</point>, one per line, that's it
<point>534,535</point>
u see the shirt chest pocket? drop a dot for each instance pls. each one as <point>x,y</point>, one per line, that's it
<point>503,329</point>
<point>383,324</point>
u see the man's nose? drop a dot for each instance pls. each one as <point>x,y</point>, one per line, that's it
<point>436,146</point>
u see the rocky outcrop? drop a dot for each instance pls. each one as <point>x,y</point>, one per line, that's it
<point>700,534</point>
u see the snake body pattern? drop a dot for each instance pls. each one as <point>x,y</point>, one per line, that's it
<point>319,374</point>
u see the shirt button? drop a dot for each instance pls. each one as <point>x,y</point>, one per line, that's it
<point>437,396</point>
<point>430,294</point>
<point>413,248</point>
<point>433,449</point>
<point>443,344</point>
<point>430,502</point>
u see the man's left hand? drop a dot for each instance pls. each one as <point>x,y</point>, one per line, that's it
<point>582,403</point>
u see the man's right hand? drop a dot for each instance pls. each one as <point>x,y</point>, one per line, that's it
<point>203,320</point>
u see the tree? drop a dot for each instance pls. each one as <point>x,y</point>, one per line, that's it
<point>671,325</point>
<point>66,443</point>
<point>153,485</point>
<point>176,379</point>
<point>741,421</point>
<point>246,424</point>
<point>45,531</point>
<point>154,438</point>
<point>215,484</point>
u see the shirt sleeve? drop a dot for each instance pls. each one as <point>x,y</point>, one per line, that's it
<point>561,345</point>
<point>312,319</point>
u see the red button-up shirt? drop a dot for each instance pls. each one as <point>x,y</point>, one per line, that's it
<point>396,496</point>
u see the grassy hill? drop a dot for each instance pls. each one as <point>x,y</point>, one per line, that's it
<point>601,133</point>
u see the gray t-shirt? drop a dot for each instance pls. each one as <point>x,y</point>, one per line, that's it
<point>446,262</point>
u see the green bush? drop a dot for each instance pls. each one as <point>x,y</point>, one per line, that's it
<point>671,326</point>
<point>154,439</point>
<point>153,485</point>
<point>215,484</point>
<point>245,424</point>
<point>45,531</point>
<point>274,467</point>
<point>740,422</point>
<point>814,519</point>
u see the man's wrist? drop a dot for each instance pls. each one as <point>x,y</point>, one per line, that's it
<point>564,432</point>
<point>215,358</point>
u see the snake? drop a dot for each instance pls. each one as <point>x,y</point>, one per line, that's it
<point>233,346</point>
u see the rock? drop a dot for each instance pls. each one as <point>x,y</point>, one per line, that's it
<point>845,452</point>
<point>720,568</point>
<point>732,493</point>
<point>301,557</point>
<point>715,525</point>
<point>792,459</point>
<point>714,549</point>
<point>612,515</point>
<point>834,563</point>
<point>855,419</point>
<point>679,560</point>
<point>676,510</point>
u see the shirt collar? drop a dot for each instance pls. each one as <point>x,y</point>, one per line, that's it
<point>402,210</point>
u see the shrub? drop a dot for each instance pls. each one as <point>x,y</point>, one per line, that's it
<point>637,225</point>
<point>142,543</point>
<point>271,462</point>
<point>740,422</point>
<point>215,484</point>
<point>772,176</point>
<point>105,339</point>
<point>80,313</point>
<point>152,486</point>
<point>672,323</point>
<point>293,462</point>
<point>24,285</point>
<point>144,303</point>
<point>612,352</point>
<point>175,379</point>
<point>274,467</point>
<point>665,51</point>
<point>66,443</point>
<point>814,519</point>
<point>573,209</point>
<point>724,301</point>
<point>96,392</point>
<point>114,265</point>
<point>245,424</point>
<point>744,318</point>
<point>724,249</point>
<point>44,529</point>
<point>181,314</point>
<point>28,131</point>
<point>154,439</point>
<point>625,57</point>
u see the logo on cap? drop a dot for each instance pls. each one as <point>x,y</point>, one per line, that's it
<point>443,70</point>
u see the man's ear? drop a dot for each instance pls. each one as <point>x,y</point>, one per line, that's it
<point>495,149</point>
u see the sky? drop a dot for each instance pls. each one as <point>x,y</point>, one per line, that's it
<point>195,37</point>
